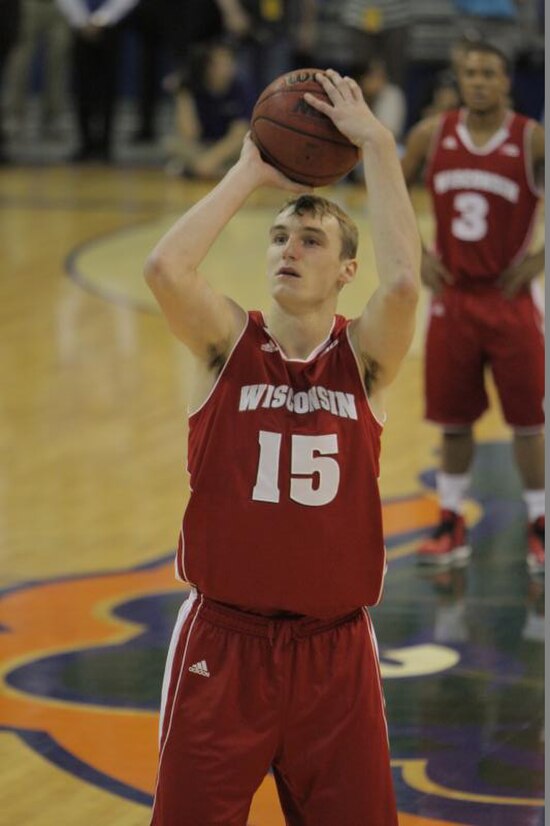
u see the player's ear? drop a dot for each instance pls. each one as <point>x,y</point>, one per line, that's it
<point>347,271</point>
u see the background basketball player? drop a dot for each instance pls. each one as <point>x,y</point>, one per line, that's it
<point>484,165</point>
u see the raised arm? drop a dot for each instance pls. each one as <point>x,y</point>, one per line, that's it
<point>206,321</point>
<point>383,332</point>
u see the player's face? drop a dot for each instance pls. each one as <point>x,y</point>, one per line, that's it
<point>303,258</point>
<point>483,81</point>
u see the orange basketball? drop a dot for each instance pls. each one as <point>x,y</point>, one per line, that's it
<point>294,137</point>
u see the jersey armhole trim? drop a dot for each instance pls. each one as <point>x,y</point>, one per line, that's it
<point>361,372</point>
<point>191,413</point>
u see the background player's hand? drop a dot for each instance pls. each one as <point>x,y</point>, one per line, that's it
<point>265,174</point>
<point>347,108</point>
<point>515,278</point>
<point>433,273</point>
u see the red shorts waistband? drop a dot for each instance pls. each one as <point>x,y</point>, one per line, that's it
<point>259,626</point>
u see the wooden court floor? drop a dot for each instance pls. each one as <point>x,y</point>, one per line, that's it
<point>92,486</point>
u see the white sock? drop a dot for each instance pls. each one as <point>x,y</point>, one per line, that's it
<point>534,499</point>
<point>451,489</point>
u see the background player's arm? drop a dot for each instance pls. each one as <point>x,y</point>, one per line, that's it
<point>417,148</point>
<point>538,154</point>
<point>383,332</point>
<point>515,278</point>
<point>207,322</point>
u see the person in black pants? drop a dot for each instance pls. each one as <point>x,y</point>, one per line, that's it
<point>9,30</point>
<point>97,30</point>
<point>146,22</point>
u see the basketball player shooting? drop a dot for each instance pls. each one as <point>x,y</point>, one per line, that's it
<point>273,660</point>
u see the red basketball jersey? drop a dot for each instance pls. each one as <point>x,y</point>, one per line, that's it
<point>484,197</point>
<point>285,512</point>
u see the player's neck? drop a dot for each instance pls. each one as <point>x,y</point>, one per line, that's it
<point>485,123</point>
<point>299,335</point>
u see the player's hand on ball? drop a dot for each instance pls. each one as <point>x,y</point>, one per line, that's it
<point>348,109</point>
<point>267,175</point>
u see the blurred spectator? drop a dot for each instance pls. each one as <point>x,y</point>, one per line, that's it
<point>346,32</point>
<point>384,25</point>
<point>146,22</point>
<point>433,32</point>
<point>302,32</point>
<point>445,89</point>
<point>95,62</point>
<point>529,85</point>
<point>44,30</point>
<point>335,44</point>
<point>493,21</point>
<point>445,96</point>
<point>9,30</point>
<point>213,109</point>
<point>278,30</point>
<point>190,22</point>
<point>235,18</point>
<point>386,99</point>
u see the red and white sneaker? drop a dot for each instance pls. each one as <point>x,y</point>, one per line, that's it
<point>535,547</point>
<point>448,544</point>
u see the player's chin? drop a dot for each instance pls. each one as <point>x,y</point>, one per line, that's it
<point>478,105</point>
<point>281,284</point>
<point>288,293</point>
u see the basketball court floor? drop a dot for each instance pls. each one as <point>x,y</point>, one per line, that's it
<point>92,487</point>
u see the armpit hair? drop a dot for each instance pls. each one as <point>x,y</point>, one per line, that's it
<point>372,369</point>
<point>216,360</point>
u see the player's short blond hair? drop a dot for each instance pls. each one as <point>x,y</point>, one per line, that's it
<point>320,207</point>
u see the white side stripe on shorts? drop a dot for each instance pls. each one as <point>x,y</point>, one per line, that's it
<point>183,613</point>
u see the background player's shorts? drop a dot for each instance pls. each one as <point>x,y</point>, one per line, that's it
<point>243,693</point>
<point>470,329</point>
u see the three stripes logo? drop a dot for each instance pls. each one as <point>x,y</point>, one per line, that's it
<point>200,668</point>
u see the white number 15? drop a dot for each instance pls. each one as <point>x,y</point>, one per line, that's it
<point>310,461</point>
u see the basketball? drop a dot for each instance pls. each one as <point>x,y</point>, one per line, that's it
<point>299,141</point>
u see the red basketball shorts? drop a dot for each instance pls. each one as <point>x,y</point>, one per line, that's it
<point>471,329</point>
<point>244,693</point>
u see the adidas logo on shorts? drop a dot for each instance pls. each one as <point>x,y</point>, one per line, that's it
<point>200,668</point>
